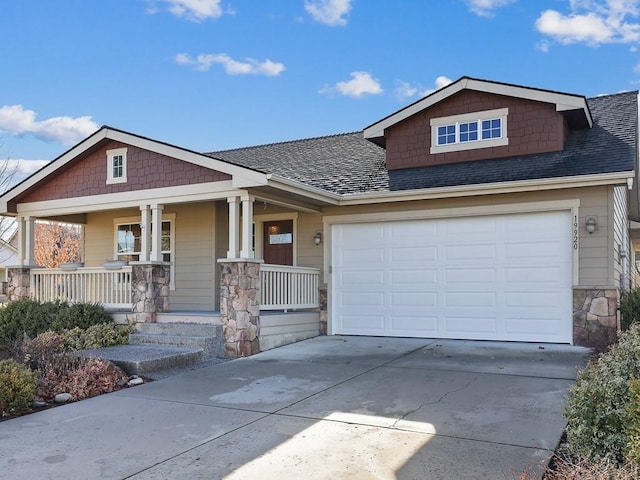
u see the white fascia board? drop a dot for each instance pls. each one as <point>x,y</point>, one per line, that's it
<point>113,201</point>
<point>488,189</point>
<point>562,101</point>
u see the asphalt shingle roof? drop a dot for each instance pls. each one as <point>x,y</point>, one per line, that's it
<point>348,164</point>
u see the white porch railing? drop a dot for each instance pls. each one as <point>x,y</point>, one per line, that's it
<point>283,287</point>
<point>111,288</point>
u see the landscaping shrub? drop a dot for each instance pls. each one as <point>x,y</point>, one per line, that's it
<point>38,352</point>
<point>80,377</point>
<point>584,470</point>
<point>27,318</point>
<point>18,387</point>
<point>633,427</point>
<point>597,410</point>
<point>97,336</point>
<point>629,308</point>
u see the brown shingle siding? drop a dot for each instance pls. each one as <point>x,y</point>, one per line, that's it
<point>145,170</point>
<point>532,127</point>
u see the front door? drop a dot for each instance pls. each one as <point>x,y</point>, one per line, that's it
<point>278,242</point>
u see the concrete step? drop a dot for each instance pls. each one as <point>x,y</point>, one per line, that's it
<point>189,317</point>
<point>143,359</point>
<point>208,338</point>
<point>180,328</point>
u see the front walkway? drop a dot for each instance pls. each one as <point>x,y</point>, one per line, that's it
<point>329,407</point>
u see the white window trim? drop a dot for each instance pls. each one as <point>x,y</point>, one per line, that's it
<point>500,113</point>
<point>114,153</point>
<point>166,217</point>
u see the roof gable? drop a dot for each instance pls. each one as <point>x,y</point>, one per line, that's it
<point>241,176</point>
<point>574,107</point>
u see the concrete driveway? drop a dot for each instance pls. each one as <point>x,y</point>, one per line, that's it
<point>326,408</point>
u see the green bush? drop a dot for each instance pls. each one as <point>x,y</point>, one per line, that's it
<point>597,410</point>
<point>629,308</point>
<point>18,387</point>
<point>633,427</point>
<point>27,318</point>
<point>97,336</point>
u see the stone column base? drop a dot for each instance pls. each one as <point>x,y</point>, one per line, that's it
<point>595,317</point>
<point>323,310</point>
<point>240,306</point>
<point>150,295</point>
<point>18,283</point>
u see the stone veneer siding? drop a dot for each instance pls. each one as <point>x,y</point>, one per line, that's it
<point>150,285</point>
<point>323,310</point>
<point>595,316</point>
<point>240,306</point>
<point>18,283</point>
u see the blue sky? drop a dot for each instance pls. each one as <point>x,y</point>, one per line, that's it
<point>216,74</point>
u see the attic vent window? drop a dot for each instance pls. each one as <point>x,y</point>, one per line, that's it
<point>469,131</point>
<point>117,165</point>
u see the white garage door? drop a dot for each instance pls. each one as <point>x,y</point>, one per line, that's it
<point>505,277</point>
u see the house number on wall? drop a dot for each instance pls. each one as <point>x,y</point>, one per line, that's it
<point>575,232</point>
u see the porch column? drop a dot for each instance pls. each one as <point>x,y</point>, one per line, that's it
<point>234,228</point>
<point>145,240</point>
<point>26,241</point>
<point>156,233</point>
<point>247,227</point>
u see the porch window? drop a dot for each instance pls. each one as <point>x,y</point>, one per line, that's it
<point>117,165</point>
<point>129,243</point>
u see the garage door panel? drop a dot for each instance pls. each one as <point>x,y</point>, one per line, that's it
<point>414,254</point>
<point>353,299</point>
<point>471,325</point>
<point>551,274</point>
<point>426,277</point>
<point>505,277</point>
<point>363,256</point>
<point>414,325</point>
<point>529,299</point>
<point>414,299</point>
<point>470,252</point>
<point>468,299</point>
<point>369,323</point>
<point>469,276</point>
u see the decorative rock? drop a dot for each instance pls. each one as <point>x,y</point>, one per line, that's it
<point>135,380</point>
<point>39,404</point>
<point>62,398</point>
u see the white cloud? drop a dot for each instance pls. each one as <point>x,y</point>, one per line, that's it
<point>23,168</point>
<point>361,83</point>
<point>593,22</point>
<point>329,12</point>
<point>486,8</point>
<point>405,90</point>
<point>195,10</point>
<point>15,120</point>
<point>249,66</point>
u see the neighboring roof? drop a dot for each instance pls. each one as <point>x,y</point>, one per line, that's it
<point>574,106</point>
<point>342,164</point>
<point>350,164</point>
<point>608,147</point>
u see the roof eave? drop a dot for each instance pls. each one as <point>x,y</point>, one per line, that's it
<point>616,178</point>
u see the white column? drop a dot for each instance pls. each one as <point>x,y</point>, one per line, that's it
<point>26,241</point>
<point>145,237</point>
<point>247,227</point>
<point>234,228</point>
<point>156,233</point>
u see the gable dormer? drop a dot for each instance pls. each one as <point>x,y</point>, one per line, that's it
<point>471,120</point>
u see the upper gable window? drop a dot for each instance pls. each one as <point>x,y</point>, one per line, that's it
<point>117,165</point>
<point>469,131</point>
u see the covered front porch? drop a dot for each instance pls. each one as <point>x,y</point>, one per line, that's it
<point>205,258</point>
